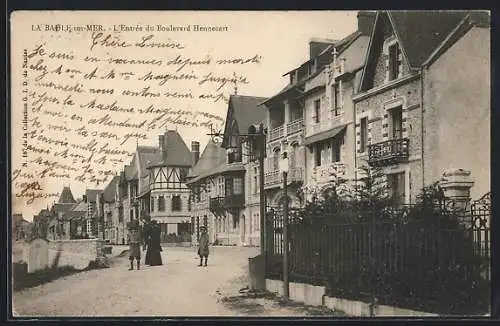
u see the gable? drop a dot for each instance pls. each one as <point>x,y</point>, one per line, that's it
<point>376,71</point>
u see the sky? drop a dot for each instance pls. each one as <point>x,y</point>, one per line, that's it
<point>280,38</point>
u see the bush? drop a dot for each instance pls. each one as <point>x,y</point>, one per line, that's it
<point>418,257</point>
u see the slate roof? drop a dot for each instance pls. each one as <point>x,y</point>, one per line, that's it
<point>66,196</point>
<point>247,111</point>
<point>92,194</point>
<point>110,190</point>
<point>62,208</point>
<point>175,151</point>
<point>213,156</point>
<point>421,32</point>
<point>222,168</point>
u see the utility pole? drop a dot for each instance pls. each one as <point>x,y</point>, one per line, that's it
<point>262,151</point>
<point>286,283</point>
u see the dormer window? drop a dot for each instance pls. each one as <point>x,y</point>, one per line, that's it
<point>394,61</point>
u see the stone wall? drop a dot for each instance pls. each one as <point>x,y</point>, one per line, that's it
<point>76,253</point>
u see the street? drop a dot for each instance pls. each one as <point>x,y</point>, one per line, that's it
<point>178,288</point>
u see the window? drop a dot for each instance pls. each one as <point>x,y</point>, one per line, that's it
<point>336,100</point>
<point>229,186</point>
<point>292,77</point>
<point>317,111</point>
<point>255,185</point>
<point>152,204</point>
<point>336,143</point>
<point>238,186</point>
<point>396,183</point>
<point>276,160</point>
<point>120,214</point>
<point>205,221</point>
<point>161,204</point>
<point>176,203</point>
<point>364,134</point>
<point>397,123</point>
<point>393,62</point>
<point>317,154</point>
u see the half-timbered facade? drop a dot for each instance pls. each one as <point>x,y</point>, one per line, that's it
<point>168,193</point>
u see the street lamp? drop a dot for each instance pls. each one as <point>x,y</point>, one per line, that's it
<point>283,165</point>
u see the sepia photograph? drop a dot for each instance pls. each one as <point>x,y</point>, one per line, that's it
<point>250,164</point>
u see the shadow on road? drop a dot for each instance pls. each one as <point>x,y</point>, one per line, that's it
<point>263,303</point>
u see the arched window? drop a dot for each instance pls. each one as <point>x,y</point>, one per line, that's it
<point>176,203</point>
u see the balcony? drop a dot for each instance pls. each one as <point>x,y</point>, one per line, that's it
<point>329,172</point>
<point>234,201</point>
<point>275,178</point>
<point>216,206</point>
<point>294,126</point>
<point>388,152</point>
<point>324,125</point>
<point>276,133</point>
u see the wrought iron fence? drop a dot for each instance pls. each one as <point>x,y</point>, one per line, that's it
<point>417,258</point>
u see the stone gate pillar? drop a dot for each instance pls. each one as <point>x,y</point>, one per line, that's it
<point>456,185</point>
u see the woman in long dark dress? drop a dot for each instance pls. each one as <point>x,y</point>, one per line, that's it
<point>153,255</point>
<point>147,241</point>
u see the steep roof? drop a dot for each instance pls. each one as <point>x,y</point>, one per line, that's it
<point>148,156</point>
<point>222,168</point>
<point>92,194</point>
<point>79,210</point>
<point>213,156</point>
<point>62,208</point>
<point>421,32</point>
<point>246,110</point>
<point>176,152</point>
<point>66,196</point>
<point>109,191</point>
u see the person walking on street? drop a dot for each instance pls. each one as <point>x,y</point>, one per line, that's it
<point>134,236</point>
<point>203,246</point>
<point>153,254</point>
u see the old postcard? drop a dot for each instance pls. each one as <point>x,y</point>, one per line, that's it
<point>273,163</point>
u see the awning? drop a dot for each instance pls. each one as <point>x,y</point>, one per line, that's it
<point>324,135</point>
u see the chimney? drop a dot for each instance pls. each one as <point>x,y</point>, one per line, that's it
<point>195,150</point>
<point>161,144</point>
<point>366,19</point>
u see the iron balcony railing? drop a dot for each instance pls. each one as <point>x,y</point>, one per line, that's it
<point>216,205</point>
<point>388,152</point>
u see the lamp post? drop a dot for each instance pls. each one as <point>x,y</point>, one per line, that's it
<point>284,170</point>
